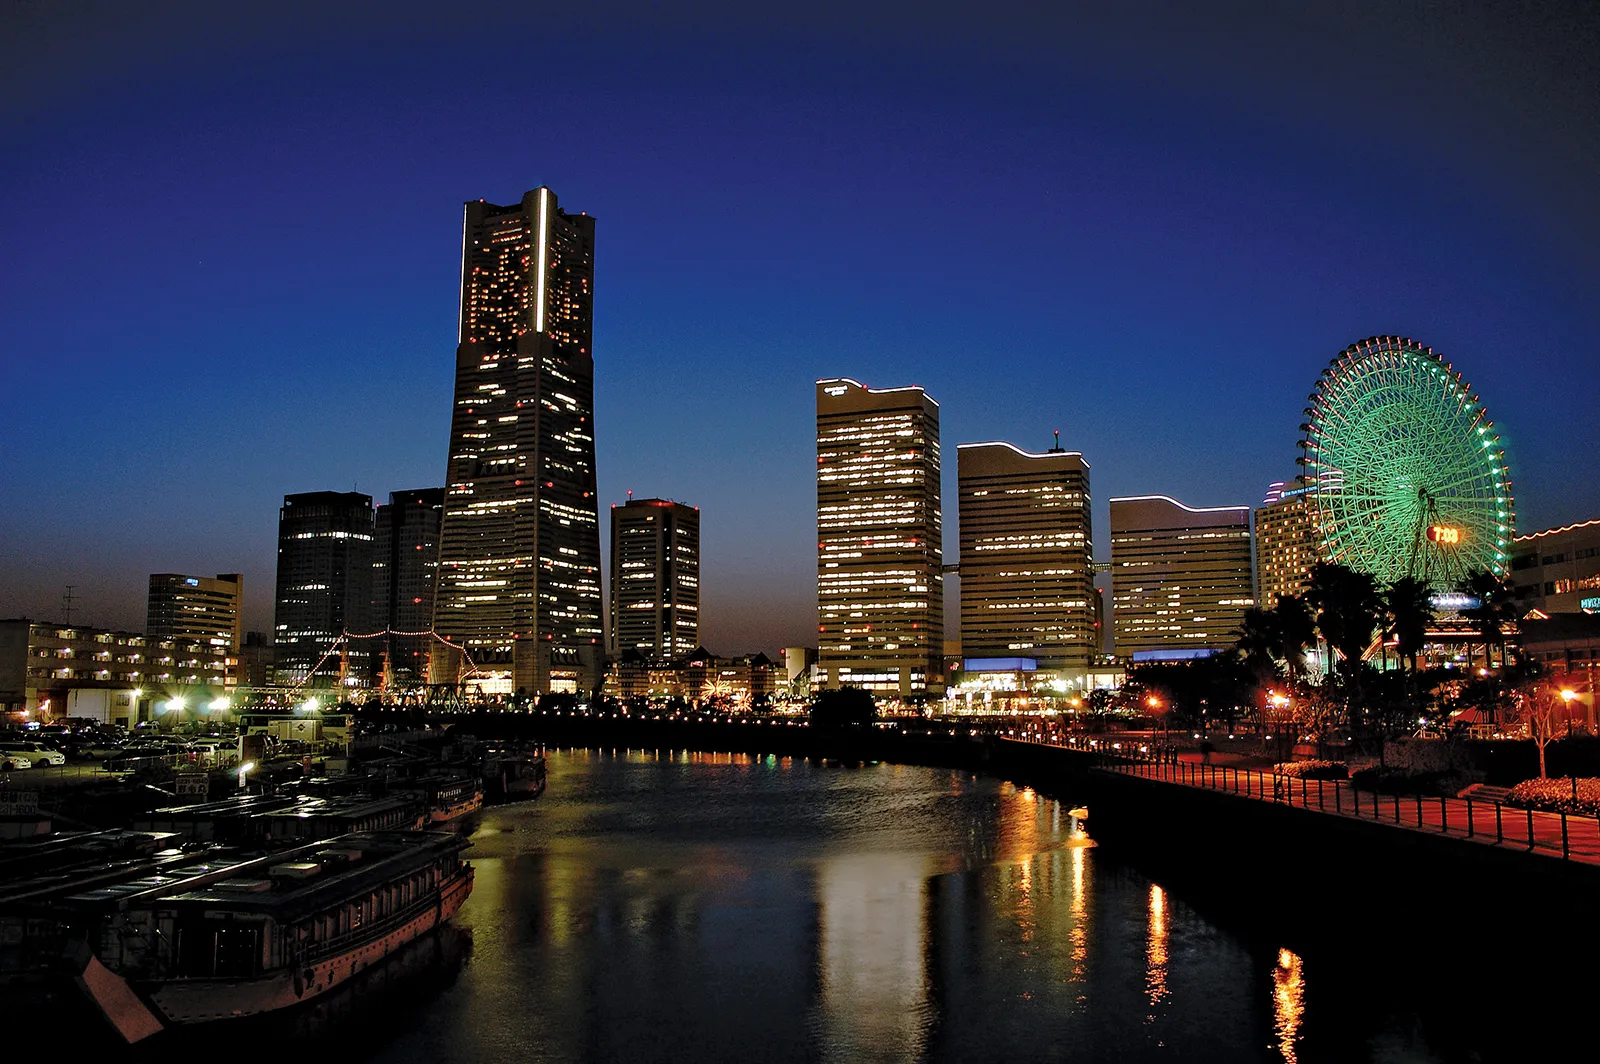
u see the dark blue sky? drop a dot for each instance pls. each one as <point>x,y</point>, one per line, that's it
<point>230,252</point>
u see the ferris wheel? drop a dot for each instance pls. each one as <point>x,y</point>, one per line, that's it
<point>1408,474</point>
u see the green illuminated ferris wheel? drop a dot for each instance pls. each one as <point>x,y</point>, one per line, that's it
<point>1408,475</point>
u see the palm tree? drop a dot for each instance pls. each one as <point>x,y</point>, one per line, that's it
<point>1260,643</point>
<point>1347,606</point>
<point>1297,629</point>
<point>1408,602</point>
<point>1495,609</point>
<point>1409,605</point>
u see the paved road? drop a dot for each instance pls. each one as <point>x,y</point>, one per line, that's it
<point>1487,823</point>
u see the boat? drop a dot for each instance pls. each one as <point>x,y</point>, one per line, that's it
<point>451,797</point>
<point>510,774</point>
<point>213,935</point>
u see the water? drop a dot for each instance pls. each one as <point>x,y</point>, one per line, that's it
<point>699,907</point>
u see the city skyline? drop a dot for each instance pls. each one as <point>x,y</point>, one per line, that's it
<point>1175,268</point>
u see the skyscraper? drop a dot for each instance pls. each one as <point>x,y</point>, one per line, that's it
<point>197,609</point>
<point>1286,541</point>
<point>519,565</point>
<point>405,575</point>
<point>880,588</point>
<point>655,578</point>
<point>1180,576</point>
<point>324,587</point>
<point>1026,585</point>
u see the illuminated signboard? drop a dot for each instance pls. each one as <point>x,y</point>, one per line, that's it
<point>1444,535</point>
<point>1590,605</point>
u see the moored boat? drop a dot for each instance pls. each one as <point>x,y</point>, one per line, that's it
<point>230,935</point>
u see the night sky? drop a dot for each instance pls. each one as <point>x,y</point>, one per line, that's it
<point>229,252</point>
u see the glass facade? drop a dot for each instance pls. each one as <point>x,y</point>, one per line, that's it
<point>880,583</point>
<point>519,594</point>
<point>1026,583</point>
<point>1180,576</point>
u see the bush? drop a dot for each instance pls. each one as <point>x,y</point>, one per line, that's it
<point>1556,796</point>
<point>1312,769</point>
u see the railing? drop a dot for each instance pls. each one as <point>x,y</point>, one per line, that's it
<point>1571,836</point>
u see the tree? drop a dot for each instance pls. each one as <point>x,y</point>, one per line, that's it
<point>1408,606</point>
<point>1496,607</point>
<point>843,707</point>
<point>1537,706</point>
<point>1260,644</point>
<point>1297,630</point>
<point>1347,607</point>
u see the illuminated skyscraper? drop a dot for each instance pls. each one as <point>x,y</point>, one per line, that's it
<point>1026,586</point>
<point>324,586</point>
<point>655,579</point>
<point>519,566</point>
<point>405,578</point>
<point>1180,576</point>
<point>197,609</point>
<point>880,588</point>
<point>1286,541</point>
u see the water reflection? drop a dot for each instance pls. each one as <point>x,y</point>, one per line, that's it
<point>1155,977</point>
<point>670,907</point>
<point>1288,1003</point>
<point>1078,907</point>
<point>873,957</point>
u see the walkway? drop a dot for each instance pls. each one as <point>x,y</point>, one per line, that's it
<point>1567,836</point>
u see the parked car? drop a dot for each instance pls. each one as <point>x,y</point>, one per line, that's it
<point>13,761</point>
<point>36,753</point>
<point>137,752</point>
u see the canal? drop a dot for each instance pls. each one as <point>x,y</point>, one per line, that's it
<point>725,907</point>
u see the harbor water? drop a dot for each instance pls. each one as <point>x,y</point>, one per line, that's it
<point>674,906</point>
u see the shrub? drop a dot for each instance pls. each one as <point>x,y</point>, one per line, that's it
<point>1556,796</point>
<point>1312,769</point>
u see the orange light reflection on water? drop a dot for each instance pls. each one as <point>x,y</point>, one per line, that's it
<point>1155,977</point>
<point>1288,1003</point>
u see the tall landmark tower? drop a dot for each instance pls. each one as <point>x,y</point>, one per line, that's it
<point>880,588</point>
<point>519,563</point>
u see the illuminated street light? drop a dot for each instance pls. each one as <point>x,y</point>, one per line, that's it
<point>218,705</point>
<point>176,704</point>
<point>244,768</point>
<point>1568,695</point>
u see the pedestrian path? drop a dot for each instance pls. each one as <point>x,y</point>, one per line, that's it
<point>1565,836</point>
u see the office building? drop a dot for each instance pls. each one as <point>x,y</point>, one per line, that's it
<point>1027,589</point>
<point>655,579</point>
<point>405,575</point>
<point>1286,541</point>
<point>57,670</point>
<point>197,609</point>
<point>1180,577</point>
<point>1558,570</point>
<point>324,589</point>
<point>519,566</point>
<point>880,583</point>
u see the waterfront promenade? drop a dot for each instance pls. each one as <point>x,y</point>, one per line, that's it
<point>1563,836</point>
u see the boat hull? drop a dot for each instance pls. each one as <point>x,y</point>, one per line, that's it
<point>189,1001</point>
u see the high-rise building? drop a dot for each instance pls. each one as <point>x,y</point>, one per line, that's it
<point>1180,576</point>
<point>197,609</point>
<point>1027,589</point>
<point>880,583</point>
<point>405,575</point>
<point>519,565</point>
<point>1558,570</point>
<point>655,578</point>
<point>324,588</point>
<point>1286,541</point>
